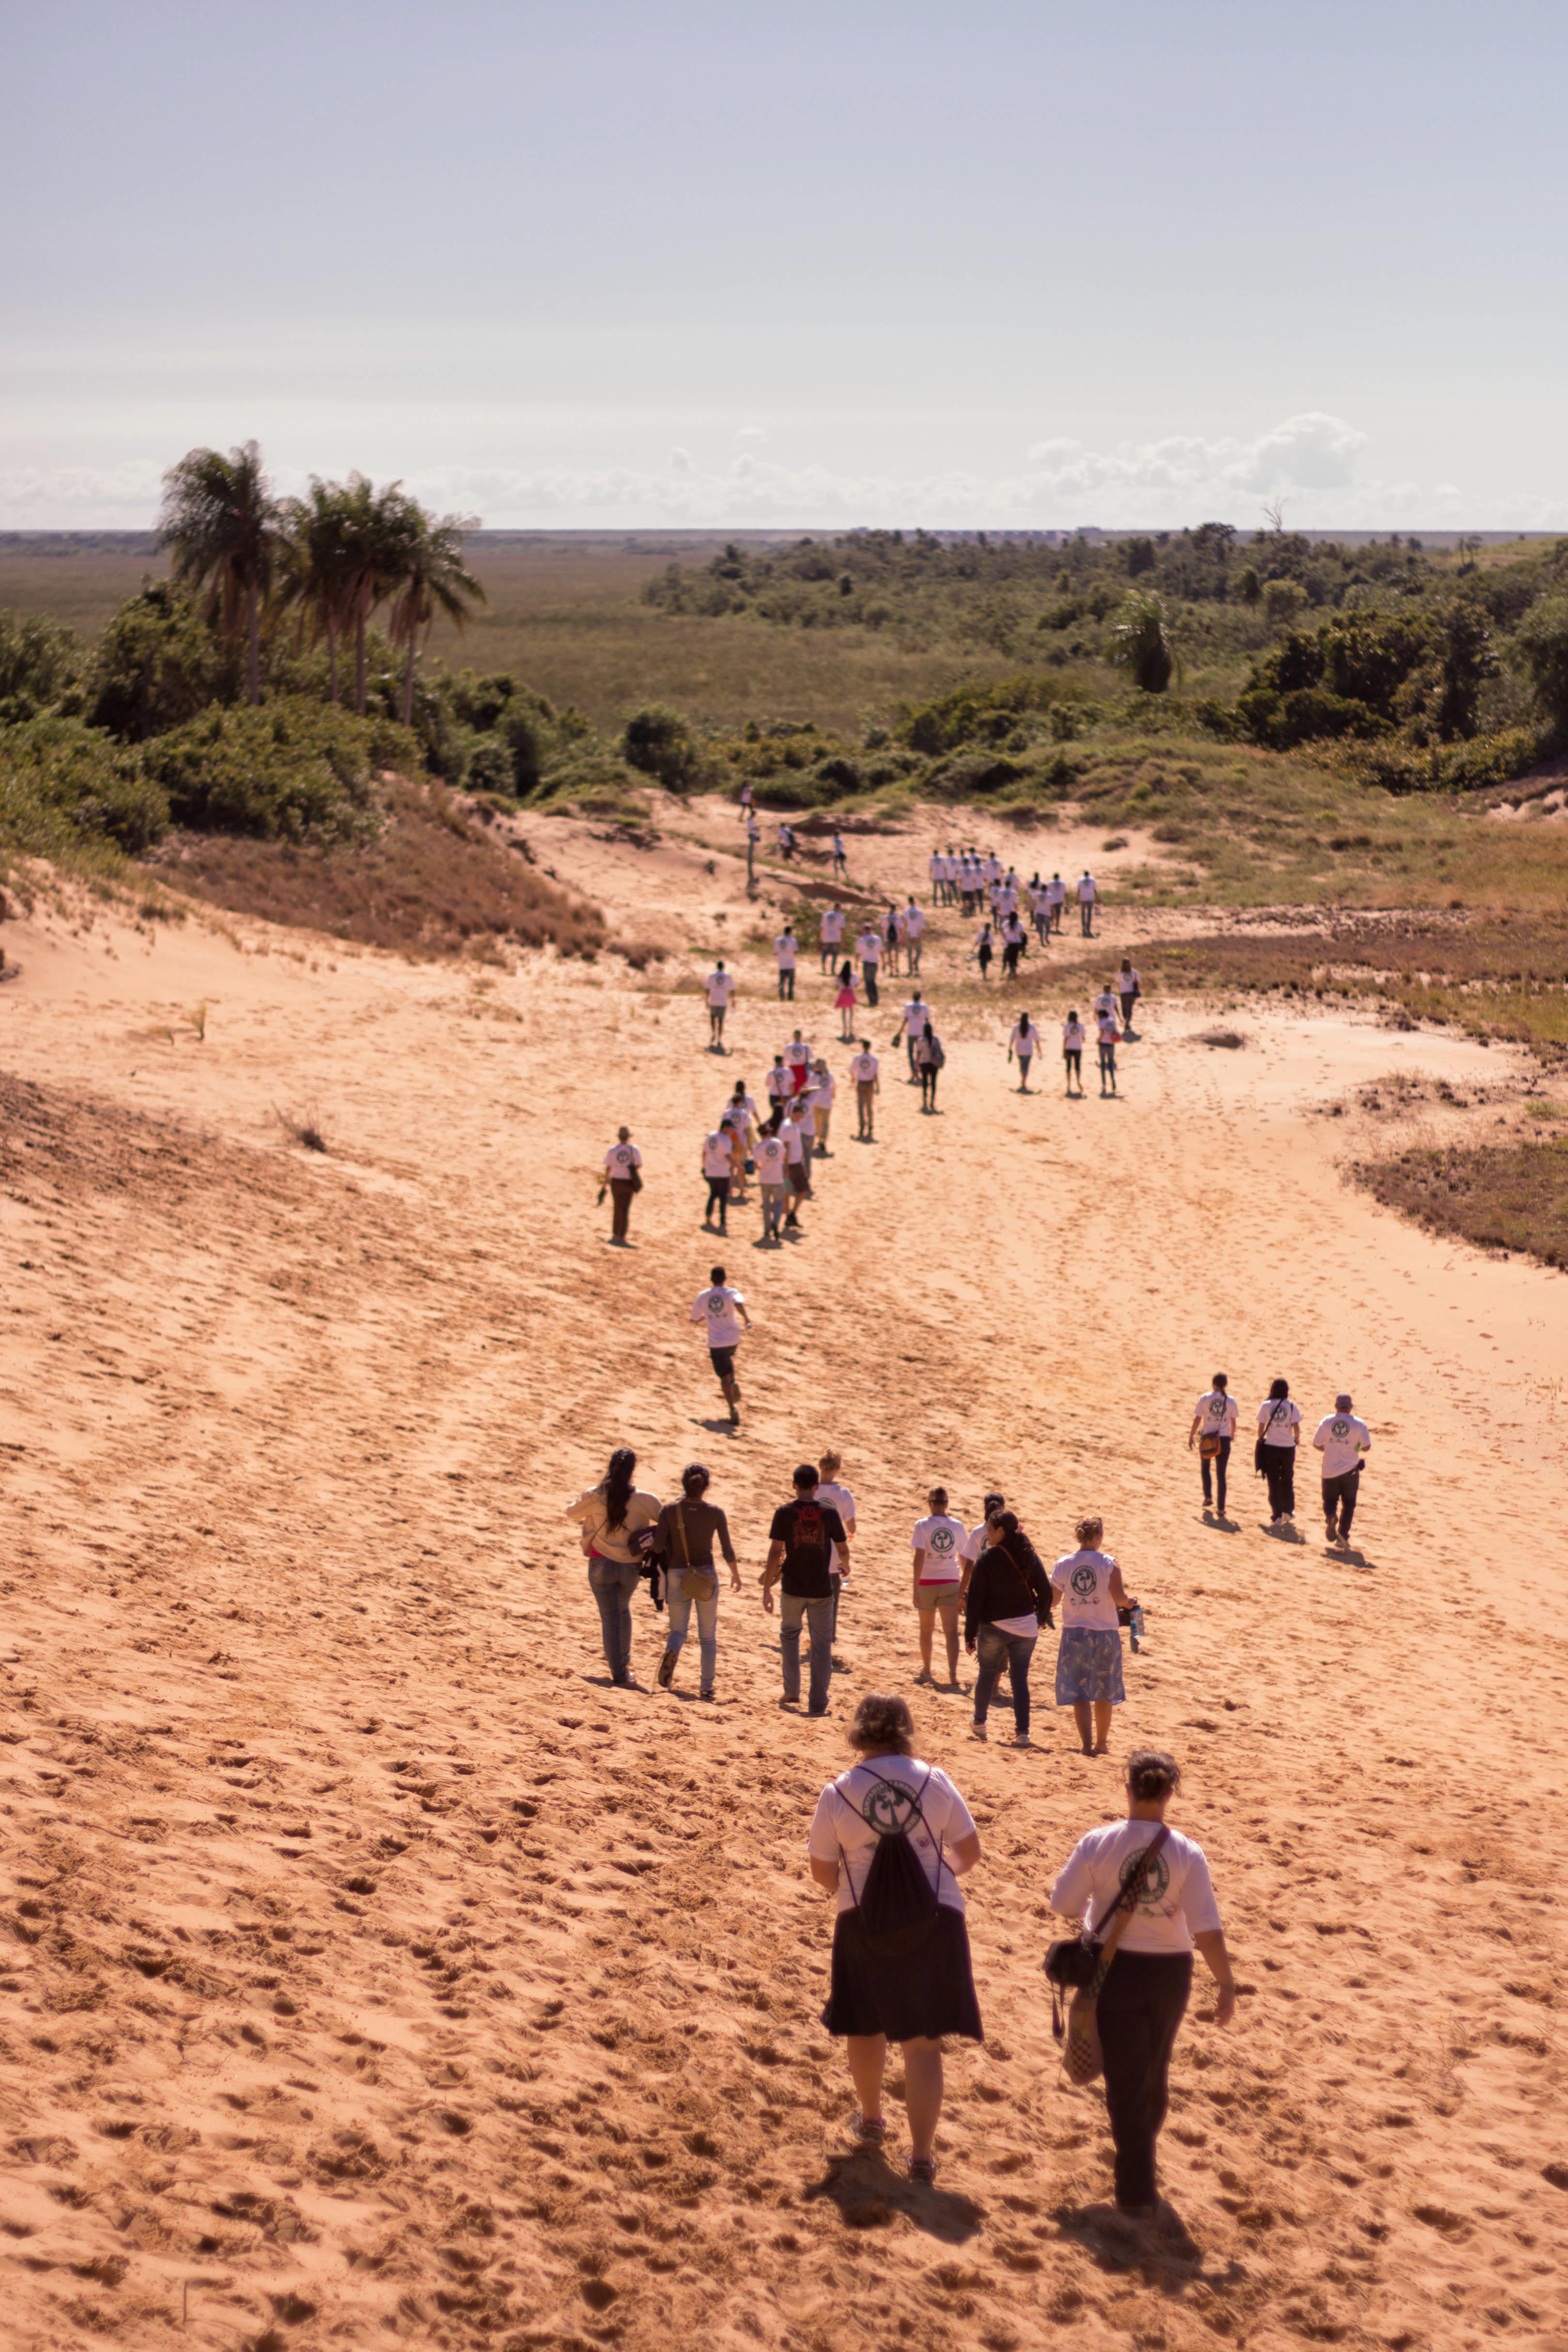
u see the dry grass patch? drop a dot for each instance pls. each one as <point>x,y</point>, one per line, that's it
<point>1506,1196</point>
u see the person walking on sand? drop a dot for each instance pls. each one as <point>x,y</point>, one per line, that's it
<point>1087,892</point>
<point>845,1002</point>
<point>793,1138</point>
<point>981,950</point>
<point>1088,1656</point>
<point>840,862</point>
<point>784,957</point>
<point>937,869</point>
<point>787,841</point>
<point>914,932</point>
<point>806,1542</point>
<point>616,1521</point>
<point>1343,1442</point>
<point>754,834</point>
<point>835,1497</point>
<point>938,1543</point>
<point>1278,1433</point>
<point>830,936</point>
<point>720,989</point>
<point>868,948</point>
<point>718,1168</point>
<point>720,1311</point>
<point>746,797</point>
<point>1056,900</point>
<point>1142,1872</point>
<point>976,1541</point>
<point>1072,1051</point>
<point>901,1968</point>
<point>1008,1602</point>
<point>623,1174</point>
<point>683,1543</point>
<point>797,1061</point>
<point>1129,989</point>
<point>823,1092</point>
<point>917,1013</point>
<point>779,1083</point>
<point>1212,1431</point>
<point>1015,943</point>
<point>892,933</point>
<point>1110,1037</point>
<point>928,1060</point>
<point>864,1070</point>
<point>1024,1043</point>
<point>773,1177</point>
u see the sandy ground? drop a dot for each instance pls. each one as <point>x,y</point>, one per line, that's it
<point>373,1972</point>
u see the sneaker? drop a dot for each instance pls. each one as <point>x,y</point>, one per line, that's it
<point>1022,1739</point>
<point>734,1416</point>
<point>922,2169</point>
<point>978,1731</point>
<point>666,1668</point>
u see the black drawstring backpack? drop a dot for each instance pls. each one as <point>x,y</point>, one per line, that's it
<point>897,1906</point>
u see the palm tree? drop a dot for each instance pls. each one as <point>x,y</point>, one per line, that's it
<point>430,578</point>
<point>375,529</point>
<point>1139,642</point>
<point>320,565</point>
<point>221,523</point>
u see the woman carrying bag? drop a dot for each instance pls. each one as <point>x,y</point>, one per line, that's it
<point>1274,1457</point>
<point>684,1541</point>
<point>1144,1894</point>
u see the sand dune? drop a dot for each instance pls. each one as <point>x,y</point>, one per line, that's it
<point>373,1972</point>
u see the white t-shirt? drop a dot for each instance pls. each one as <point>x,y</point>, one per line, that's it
<point>824,1092</point>
<point>621,1159</point>
<point>836,1499</point>
<point>832,928</point>
<point>1109,1032</point>
<point>779,1082</point>
<point>868,947</point>
<point>1055,891</point>
<point>1083,1579</point>
<point>753,830</point>
<point>916,1015</point>
<point>784,951</point>
<point>720,988</point>
<point>975,1541</point>
<point>1072,1037</point>
<point>771,1155</point>
<point>1220,1413</point>
<point>992,866</point>
<point>1341,1439</point>
<point>1026,1041</point>
<point>914,920</point>
<point>938,868</point>
<point>884,1788</point>
<point>798,1053</point>
<point>1106,1002</point>
<point>1086,891</point>
<point>1177,1901</point>
<point>1278,1421</point>
<point>790,1136</point>
<point>1129,984</point>
<point>718,1310</point>
<point>939,1545</point>
<point>717,1154</point>
<point>745,1111</point>
<point>864,1068</point>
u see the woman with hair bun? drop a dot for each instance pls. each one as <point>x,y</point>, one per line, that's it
<point>891,1838</point>
<point>688,1530</point>
<point>1145,1989</point>
<point>1088,1656</point>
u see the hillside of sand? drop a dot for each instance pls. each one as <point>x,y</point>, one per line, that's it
<point>373,1972</point>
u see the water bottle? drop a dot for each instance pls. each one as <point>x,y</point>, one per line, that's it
<point>1135,1626</point>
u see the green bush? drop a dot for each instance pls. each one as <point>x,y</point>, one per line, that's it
<point>1540,647</point>
<point>62,782</point>
<point>158,665</point>
<point>42,665</point>
<point>287,770</point>
<point>659,741</point>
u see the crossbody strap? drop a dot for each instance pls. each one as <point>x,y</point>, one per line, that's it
<point>1121,1912</point>
<point>882,1781</point>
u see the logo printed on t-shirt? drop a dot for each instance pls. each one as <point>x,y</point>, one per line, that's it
<point>718,1304</point>
<point>1156,1879</point>
<point>890,1808</point>
<point>942,1540</point>
<point>1085,1582</point>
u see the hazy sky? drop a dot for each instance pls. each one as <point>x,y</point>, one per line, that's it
<point>1010,262</point>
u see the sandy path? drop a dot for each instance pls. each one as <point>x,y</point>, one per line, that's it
<point>376,1972</point>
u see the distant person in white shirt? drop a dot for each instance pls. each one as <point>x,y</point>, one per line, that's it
<point>1215,1417</point>
<point>938,1542</point>
<point>1072,1050</point>
<point>798,1171</point>
<point>868,948</point>
<point>836,1497</point>
<point>773,1175</point>
<point>745,802</point>
<point>784,957</point>
<point>721,989</point>
<point>917,1013</point>
<point>1110,1038</point>
<point>937,869</point>
<point>718,1166</point>
<point>863,1069</point>
<point>1129,988</point>
<point>914,932</point>
<point>622,1165</point>
<point>1342,1441</point>
<point>840,862</point>
<point>786,841</point>
<point>831,936</point>
<point>1278,1425</point>
<point>1056,900</point>
<point>823,1091</point>
<point>1086,895</point>
<point>721,1311</point>
<point>1024,1043</point>
<point>754,834</point>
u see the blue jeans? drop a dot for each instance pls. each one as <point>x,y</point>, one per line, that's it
<point>680,1604</point>
<point>613,1583</point>
<point>992,1647</point>
<point>795,1610</point>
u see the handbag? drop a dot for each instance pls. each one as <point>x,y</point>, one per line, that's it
<point>694,1581</point>
<point>1081,1963</point>
<point>1261,1451</point>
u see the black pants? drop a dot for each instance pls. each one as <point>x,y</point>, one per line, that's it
<point>1341,1494</point>
<point>1010,961</point>
<point>718,1198</point>
<point>786,981</point>
<point>1086,918</point>
<point>1126,1004</point>
<point>1139,2011</point>
<point>927,1085</point>
<point>1280,1473</point>
<point>1221,1468</point>
<point>723,1363</point>
<point>621,1206</point>
<point>869,973</point>
<point>1073,1057</point>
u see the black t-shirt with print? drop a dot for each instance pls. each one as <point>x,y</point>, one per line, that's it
<point>809,1531</point>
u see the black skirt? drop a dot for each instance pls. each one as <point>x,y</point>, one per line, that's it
<point>928,1993</point>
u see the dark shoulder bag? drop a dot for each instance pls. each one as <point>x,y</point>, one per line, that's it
<point>1261,1451</point>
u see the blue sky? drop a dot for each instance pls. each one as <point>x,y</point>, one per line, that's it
<point>821,265</point>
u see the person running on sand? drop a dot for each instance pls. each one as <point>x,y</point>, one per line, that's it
<point>917,1013</point>
<point>830,935</point>
<point>938,1542</point>
<point>718,1168</point>
<point>785,953</point>
<point>845,1001</point>
<point>684,1542</point>
<point>1087,892</point>
<point>1278,1433</point>
<point>721,1310</point>
<point>1024,1043</point>
<point>1343,1442</point>
<point>617,1521</point>
<point>928,1060</point>
<point>720,989</point>
<point>864,1070</point>
<point>806,1542</point>
<point>1088,1656</point>
<point>1110,1037</point>
<point>773,1176</point>
<point>1129,989</point>
<point>981,952</point>
<point>868,948</point>
<point>838,1499</point>
<point>1008,1602</point>
<point>1215,1417</point>
<point>878,1995</point>
<point>623,1174</point>
<point>1072,1051</point>
<point>1142,1996</point>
